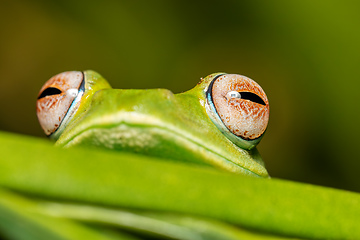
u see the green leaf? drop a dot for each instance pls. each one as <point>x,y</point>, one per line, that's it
<point>18,220</point>
<point>155,224</point>
<point>90,176</point>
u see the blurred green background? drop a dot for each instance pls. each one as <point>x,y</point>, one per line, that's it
<point>305,55</point>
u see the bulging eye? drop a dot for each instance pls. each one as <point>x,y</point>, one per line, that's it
<point>58,100</point>
<point>239,108</point>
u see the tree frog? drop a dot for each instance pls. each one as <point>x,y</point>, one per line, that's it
<point>217,124</point>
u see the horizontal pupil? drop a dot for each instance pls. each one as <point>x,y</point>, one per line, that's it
<point>252,97</point>
<point>49,91</point>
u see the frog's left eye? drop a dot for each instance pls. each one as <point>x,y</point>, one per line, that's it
<point>239,108</point>
<point>58,100</point>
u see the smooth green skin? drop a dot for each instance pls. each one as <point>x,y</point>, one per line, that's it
<point>157,123</point>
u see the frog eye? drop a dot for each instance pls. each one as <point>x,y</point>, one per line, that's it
<point>58,100</point>
<point>239,108</point>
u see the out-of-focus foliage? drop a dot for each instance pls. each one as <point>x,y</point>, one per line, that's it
<point>305,54</point>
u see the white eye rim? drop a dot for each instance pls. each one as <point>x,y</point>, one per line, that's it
<point>72,109</point>
<point>215,118</point>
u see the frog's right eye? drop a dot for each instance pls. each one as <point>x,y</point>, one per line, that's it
<point>58,100</point>
<point>238,106</point>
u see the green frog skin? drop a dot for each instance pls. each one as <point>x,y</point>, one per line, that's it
<point>218,123</point>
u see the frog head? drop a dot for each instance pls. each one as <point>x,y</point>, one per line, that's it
<point>217,124</point>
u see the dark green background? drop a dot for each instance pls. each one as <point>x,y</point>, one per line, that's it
<point>305,55</point>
